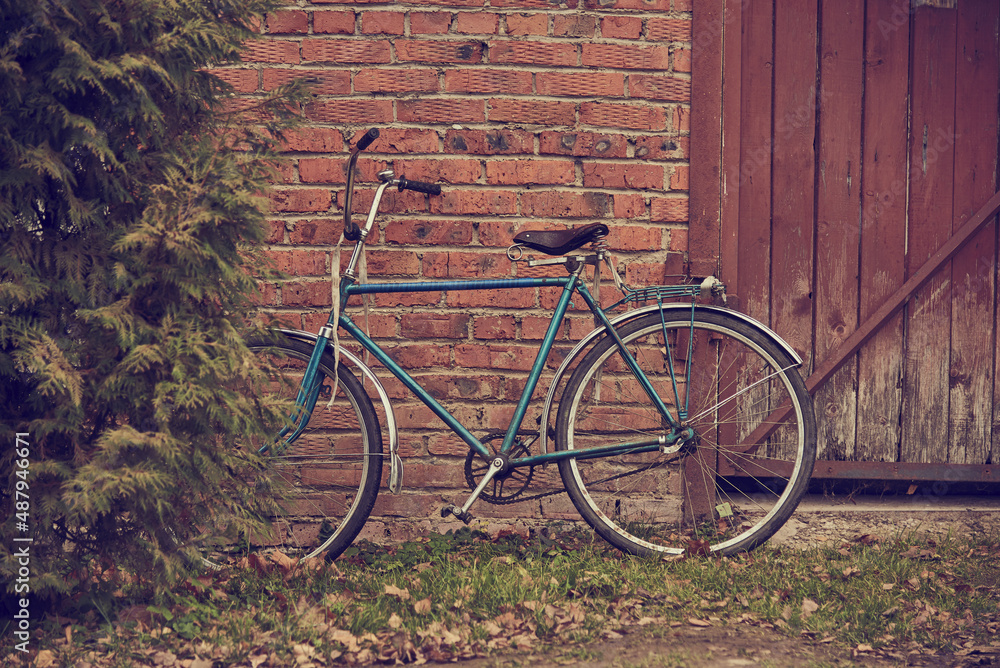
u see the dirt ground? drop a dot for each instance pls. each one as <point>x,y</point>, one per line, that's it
<point>817,521</point>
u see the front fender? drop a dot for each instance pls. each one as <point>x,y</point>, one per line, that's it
<point>395,463</point>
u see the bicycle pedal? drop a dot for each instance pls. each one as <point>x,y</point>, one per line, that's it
<point>451,510</point>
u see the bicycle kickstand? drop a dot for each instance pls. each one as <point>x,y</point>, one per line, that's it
<point>463,513</point>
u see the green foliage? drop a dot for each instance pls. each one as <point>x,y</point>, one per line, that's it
<point>130,216</point>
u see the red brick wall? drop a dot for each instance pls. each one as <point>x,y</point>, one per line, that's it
<point>529,114</point>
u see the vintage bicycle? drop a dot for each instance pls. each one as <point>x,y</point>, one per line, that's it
<point>679,425</point>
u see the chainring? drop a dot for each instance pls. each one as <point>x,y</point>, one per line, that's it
<point>506,487</point>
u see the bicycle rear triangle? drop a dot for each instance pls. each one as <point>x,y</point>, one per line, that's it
<point>665,432</point>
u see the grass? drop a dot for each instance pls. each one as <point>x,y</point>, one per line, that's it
<point>468,594</point>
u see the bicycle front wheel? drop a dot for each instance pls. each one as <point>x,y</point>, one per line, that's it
<point>723,379</point>
<point>326,480</point>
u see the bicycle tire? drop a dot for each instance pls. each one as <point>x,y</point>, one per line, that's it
<point>326,481</point>
<point>648,504</point>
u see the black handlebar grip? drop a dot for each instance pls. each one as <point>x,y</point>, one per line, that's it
<point>419,186</point>
<point>369,137</point>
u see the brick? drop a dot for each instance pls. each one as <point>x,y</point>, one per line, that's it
<point>621,27</point>
<point>300,262</point>
<point>420,356</point>
<point>642,5</point>
<point>559,204</point>
<point>276,231</point>
<point>428,232</point>
<point>681,120</point>
<point>494,327</point>
<point>434,325</point>
<point>532,111</point>
<point>408,80</point>
<point>622,175</point>
<point>678,240</point>
<point>334,23</point>
<point>316,232</point>
<point>314,140</point>
<point>429,23</point>
<point>623,116</point>
<point>574,25</point>
<point>346,51</point>
<point>659,87</point>
<point>466,265</point>
<point>350,111</point>
<point>635,238</point>
<point>669,209</point>
<point>626,56</point>
<point>683,5</point>
<point>680,178</point>
<point>267,295</point>
<point>306,294</point>
<point>427,51</point>
<point>662,29</point>
<point>534,328</point>
<point>520,25</point>
<point>498,233</point>
<point>462,387</point>
<point>391,262</point>
<point>271,51</point>
<point>489,81</point>
<point>528,172</point>
<point>301,200</point>
<point>587,144</point>
<point>629,205</point>
<point>325,82</point>
<point>396,299</point>
<point>457,202</point>
<point>682,60</point>
<point>287,21</point>
<point>534,53</point>
<point>404,140</point>
<point>450,170</point>
<point>581,84</point>
<point>322,170</point>
<point>490,142</point>
<point>441,111</point>
<point>520,298</point>
<point>242,80</point>
<point>382,23</point>
<point>661,148</point>
<point>477,23</point>
<point>497,356</point>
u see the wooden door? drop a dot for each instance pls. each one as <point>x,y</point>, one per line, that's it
<point>835,148</point>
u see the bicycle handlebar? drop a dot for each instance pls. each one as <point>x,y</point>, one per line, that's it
<point>351,231</point>
<point>419,186</point>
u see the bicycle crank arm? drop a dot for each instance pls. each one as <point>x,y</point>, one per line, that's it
<point>463,513</point>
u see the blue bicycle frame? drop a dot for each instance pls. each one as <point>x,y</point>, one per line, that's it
<point>572,283</point>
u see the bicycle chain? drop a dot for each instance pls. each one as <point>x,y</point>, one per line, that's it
<point>516,497</point>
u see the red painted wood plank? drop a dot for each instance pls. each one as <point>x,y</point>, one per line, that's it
<point>973,272</point>
<point>754,247</point>
<point>932,104</point>
<point>883,226</point>
<point>706,138</point>
<point>731,114</point>
<point>793,172</point>
<point>838,210</point>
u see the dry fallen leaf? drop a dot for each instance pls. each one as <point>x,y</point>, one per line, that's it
<point>422,607</point>
<point>402,594</point>
<point>809,606</point>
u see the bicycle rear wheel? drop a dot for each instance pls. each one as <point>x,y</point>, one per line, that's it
<point>717,493</point>
<point>325,482</point>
